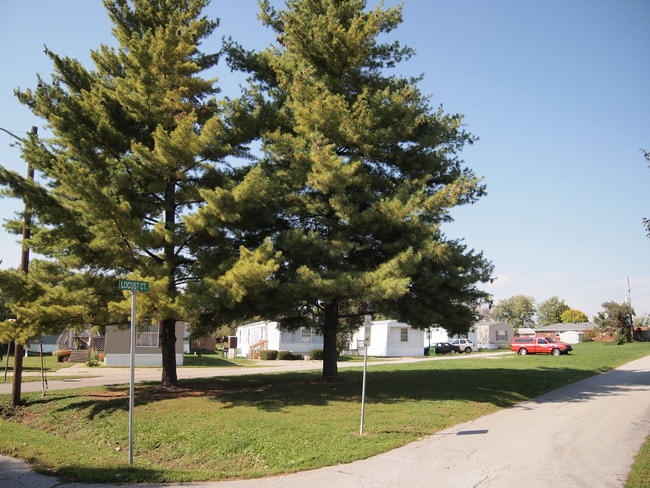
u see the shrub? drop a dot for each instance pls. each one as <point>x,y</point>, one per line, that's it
<point>589,335</point>
<point>62,355</point>
<point>285,355</point>
<point>316,354</point>
<point>289,356</point>
<point>268,355</point>
<point>95,359</point>
<point>620,337</point>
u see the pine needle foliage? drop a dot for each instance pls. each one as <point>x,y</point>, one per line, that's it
<point>134,140</point>
<point>358,174</point>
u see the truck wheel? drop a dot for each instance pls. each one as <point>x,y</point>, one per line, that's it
<point>523,351</point>
<point>556,352</point>
<point>468,350</point>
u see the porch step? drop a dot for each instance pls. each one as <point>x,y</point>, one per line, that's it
<point>79,356</point>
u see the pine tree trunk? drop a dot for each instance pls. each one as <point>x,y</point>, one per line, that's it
<point>330,329</point>
<point>168,346</point>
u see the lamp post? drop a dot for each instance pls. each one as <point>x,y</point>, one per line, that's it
<point>24,267</point>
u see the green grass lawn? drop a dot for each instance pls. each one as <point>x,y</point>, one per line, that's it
<point>33,368</point>
<point>263,424</point>
<point>640,474</point>
<point>32,364</point>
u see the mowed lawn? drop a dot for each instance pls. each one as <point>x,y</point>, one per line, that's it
<point>262,424</point>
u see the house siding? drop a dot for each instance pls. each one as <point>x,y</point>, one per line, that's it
<point>48,344</point>
<point>118,348</point>
<point>489,334</point>
<point>276,340</point>
<point>386,339</point>
<point>571,331</point>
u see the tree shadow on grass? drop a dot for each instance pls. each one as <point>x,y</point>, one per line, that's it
<point>502,387</point>
<point>103,401</point>
<point>123,473</point>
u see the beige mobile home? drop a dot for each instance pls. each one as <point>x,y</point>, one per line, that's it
<point>117,349</point>
<point>493,335</point>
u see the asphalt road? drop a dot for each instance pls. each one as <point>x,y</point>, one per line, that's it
<point>585,434</point>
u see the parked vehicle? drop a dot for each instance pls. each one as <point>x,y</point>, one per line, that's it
<point>539,345</point>
<point>464,345</point>
<point>445,348</point>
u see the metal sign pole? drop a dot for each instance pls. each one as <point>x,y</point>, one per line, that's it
<point>132,382</point>
<point>363,388</point>
<point>366,342</point>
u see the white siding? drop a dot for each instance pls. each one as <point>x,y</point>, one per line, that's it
<point>386,339</point>
<point>570,336</point>
<point>298,341</point>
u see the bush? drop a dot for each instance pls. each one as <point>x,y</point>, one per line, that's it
<point>288,356</point>
<point>589,335</point>
<point>285,355</point>
<point>316,354</point>
<point>62,355</point>
<point>268,355</point>
<point>95,359</point>
<point>620,337</point>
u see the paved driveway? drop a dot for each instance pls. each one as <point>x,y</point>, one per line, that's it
<point>585,434</point>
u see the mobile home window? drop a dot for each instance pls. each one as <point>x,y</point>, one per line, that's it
<point>502,335</point>
<point>404,334</point>
<point>305,334</point>
<point>147,335</point>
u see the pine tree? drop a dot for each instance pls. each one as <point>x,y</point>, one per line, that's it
<point>46,301</point>
<point>134,141</point>
<point>51,299</point>
<point>358,173</point>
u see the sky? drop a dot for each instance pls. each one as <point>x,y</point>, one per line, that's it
<point>556,92</point>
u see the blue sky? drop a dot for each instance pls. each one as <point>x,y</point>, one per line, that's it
<point>556,91</point>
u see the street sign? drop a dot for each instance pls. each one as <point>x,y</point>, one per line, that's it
<point>133,285</point>
<point>367,328</point>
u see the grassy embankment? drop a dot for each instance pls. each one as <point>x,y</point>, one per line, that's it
<point>257,425</point>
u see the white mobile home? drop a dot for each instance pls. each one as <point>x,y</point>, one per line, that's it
<point>266,335</point>
<point>390,338</point>
<point>436,334</point>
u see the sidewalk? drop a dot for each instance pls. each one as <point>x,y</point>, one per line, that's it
<point>562,438</point>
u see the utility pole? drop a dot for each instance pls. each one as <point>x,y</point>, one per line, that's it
<point>19,349</point>
<point>629,302</point>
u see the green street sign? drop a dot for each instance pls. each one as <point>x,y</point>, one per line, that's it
<point>133,285</point>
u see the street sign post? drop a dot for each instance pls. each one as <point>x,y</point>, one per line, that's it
<point>367,325</point>
<point>134,287</point>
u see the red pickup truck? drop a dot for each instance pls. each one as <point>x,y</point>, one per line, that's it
<point>543,345</point>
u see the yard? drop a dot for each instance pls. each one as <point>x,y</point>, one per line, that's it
<point>255,425</point>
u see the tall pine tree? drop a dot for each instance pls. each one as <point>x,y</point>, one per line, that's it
<point>357,176</point>
<point>134,140</point>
